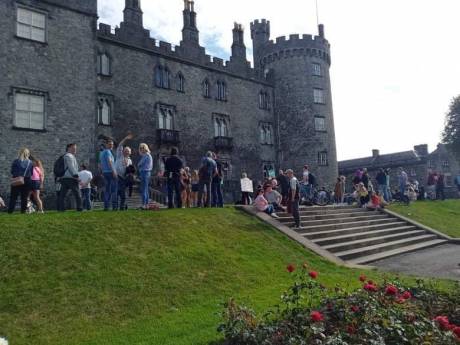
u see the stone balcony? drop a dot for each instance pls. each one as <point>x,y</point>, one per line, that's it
<point>223,143</point>
<point>168,136</point>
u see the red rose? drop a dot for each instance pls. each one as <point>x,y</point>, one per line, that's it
<point>290,268</point>
<point>354,308</point>
<point>443,322</point>
<point>362,278</point>
<point>316,316</point>
<point>370,282</point>
<point>400,300</point>
<point>391,290</point>
<point>456,331</point>
<point>370,287</point>
<point>407,295</point>
<point>313,274</point>
<point>351,329</point>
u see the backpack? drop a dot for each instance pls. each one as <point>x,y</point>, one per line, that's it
<point>59,167</point>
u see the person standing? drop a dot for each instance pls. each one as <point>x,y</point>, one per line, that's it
<point>122,163</point>
<point>294,197</point>
<point>365,178</point>
<point>246,189</point>
<point>440,184</point>
<point>216,185</point>
<point>144,168</point>
<point>283,182</point>
<point>207,171</point>
<point>21,172</point>
<point>339,190</point>
<point>37,179</point>
<point>186,184</point>
<point>457,183</point>
<point>110,176</point>
<point>382,184</point>
<point>173,167</point>
<point>402,179</point>
<point>69,181</point>
<point>85,176</point>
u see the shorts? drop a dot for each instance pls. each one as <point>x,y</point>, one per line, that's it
<point>195,187</point>
<point>35,185</point>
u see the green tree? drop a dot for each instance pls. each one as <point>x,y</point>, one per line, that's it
<point>451,133</point>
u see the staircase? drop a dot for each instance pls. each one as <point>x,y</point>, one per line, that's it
<point>134,202</point>
<point>359,236</point>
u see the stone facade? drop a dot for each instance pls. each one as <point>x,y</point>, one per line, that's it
<point>100,81</point>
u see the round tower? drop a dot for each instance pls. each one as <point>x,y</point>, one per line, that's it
<point>299,67</point>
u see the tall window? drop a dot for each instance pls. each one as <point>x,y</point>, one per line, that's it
<point>162,77</point>
<point>320,124</point>
<point>104,112</point>
<point>220,126</point>
<point>180,82</point>
<point>269,170</point>
<point>266,133</point>
<point>165,117</point>
<point>103,64</point>
<point>318,96</point>
<point>31,24</point>
<point>29,111</point>
<point>264,100</point>
<point>206,89</point>
<point>221,91</point>
<point>322,158</point>
<point>317,69</point>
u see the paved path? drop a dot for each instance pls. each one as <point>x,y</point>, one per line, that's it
<point>439,262</point>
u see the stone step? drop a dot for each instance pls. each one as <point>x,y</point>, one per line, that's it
<point>344,225</point>
<point>353,230</point>
<point>383,247</point>
<point>357,218</point>
<point>366,242</point>
<point>362,260</point>
<point>357,236</point>
<point>336,216</point>
<point>312,211</point>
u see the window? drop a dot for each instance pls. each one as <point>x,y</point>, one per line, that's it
<point>221,91</point>
<point>180,82</point>
<point>320,124</point>
<point>266,133</point>
<point>206,89</point>
<point>220,126</point>
<point>445,164</point>
<point>162,77</point>
<point>322,158</point>
<point>264,100</point>
<point>29,111</point>
<point>165,117</point>
<point>104,111</point>
<point>318,96</point>
<point>269,170</point>
<point>103,64</point>
<point>430,164</point>
<point>31,24</point>
<point>449,180</point>
<point>317,69</point>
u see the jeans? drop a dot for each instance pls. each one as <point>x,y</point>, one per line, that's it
<point>174,187</point>
<point>145,181</point>
<point>383,190</point>
<point>295,212</point>
<point>122,184</point>
<point>22,191</point>
<point>217,197</point>
<point>86,195</point>
<point>269,210</point>
<point>69,183</point>
<point>245,198</point>
<point>111,191</point>
<point>202,184</point>
<point>305,191</point>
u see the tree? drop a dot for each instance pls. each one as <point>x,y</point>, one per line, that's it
<point>451,133</point>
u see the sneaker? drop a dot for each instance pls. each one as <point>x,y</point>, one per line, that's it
<point>274,215</point>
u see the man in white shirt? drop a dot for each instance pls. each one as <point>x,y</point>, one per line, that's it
<point>70,179</point>
<point>85,176</point>
<point>294,197</point>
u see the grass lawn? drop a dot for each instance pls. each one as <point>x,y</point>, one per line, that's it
<point>443,216</point>
<point>141,278</point>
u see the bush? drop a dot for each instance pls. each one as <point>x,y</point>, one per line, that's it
<point>376,314</point>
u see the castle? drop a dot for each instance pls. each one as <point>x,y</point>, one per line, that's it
<point>64,78</point>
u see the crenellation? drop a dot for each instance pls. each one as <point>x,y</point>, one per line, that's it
<point>165,47</point>
<point>294,37</point>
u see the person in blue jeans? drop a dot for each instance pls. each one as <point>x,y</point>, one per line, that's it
<point>216,185</point>
<point>145,167</point>
<point>110,176</point>
<point>85,176</point>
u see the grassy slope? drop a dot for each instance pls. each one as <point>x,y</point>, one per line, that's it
<point>443,216</point>
<point>153,278</point>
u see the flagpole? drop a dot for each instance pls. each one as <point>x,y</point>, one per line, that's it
<point>317,13</point>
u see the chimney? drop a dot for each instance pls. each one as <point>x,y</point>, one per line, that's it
<point>375,153</point>
<point>321,30</point>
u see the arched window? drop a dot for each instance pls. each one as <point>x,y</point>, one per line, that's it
<point>266,133</point>
<point>165,117</point>
<point>264,100</point>
<point>220,127</point>
<point>206,89</point>
<point>103,65</point>
<point>104,112</point>
<point>162,77</point>
<point>221,90</point>
<point>166,78</point>
<point>180,82</point>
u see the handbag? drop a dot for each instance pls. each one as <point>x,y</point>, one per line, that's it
<point>19,180</point>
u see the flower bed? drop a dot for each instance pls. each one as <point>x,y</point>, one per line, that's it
<point>379,313</point>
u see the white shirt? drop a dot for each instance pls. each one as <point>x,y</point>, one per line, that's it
<point>246,185</point>
<point>122,162</point>
<point>85,177</point>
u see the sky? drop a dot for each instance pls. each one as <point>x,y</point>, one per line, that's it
<point>395,64</point>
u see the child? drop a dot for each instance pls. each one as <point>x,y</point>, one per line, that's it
<point>195,188</point>
<point>38,176</point>
<point>85,178</point>
<point>262,204</point>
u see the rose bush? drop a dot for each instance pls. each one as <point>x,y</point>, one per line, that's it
<point>385,313</point>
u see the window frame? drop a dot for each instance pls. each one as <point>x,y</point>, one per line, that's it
<point>264,129</point>
<point>33,10</point>
<point>221,91</point>
<point>169,109</point>
<point>324,128</point>
<point>108,99</point>
<point>180,82</point>
<point>317,72</point>
<point>323,162</point>
<point>319,98</point>
<point>217,130</point>
<point>100,70</point>
<point>162,77</point>
<point>31,93</point>
<point>206,85</point>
